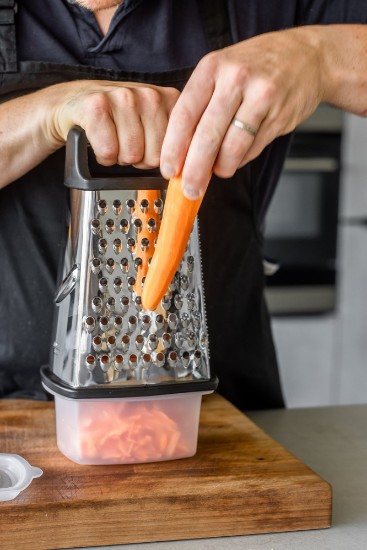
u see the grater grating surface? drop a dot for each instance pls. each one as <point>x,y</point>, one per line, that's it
<point>102,334</point>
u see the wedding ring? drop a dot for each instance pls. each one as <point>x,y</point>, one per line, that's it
<point>245,127</point>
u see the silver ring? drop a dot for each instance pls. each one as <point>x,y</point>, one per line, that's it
<point>245,127</point>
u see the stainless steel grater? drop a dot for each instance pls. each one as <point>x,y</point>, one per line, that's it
<point>103,340</point>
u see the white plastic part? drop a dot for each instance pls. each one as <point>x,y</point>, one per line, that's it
<point>15,475</point>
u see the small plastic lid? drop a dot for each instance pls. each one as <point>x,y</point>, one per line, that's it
<point>15,475</point>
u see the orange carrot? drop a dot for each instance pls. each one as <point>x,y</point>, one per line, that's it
<point>150,195</point>
<point>178,218</point>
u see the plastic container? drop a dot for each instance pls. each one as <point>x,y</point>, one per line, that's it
<point>128,430</point>
<point>15,475</point>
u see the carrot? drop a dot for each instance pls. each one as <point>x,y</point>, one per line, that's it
<point>178,218</point>
<point>145,255</point>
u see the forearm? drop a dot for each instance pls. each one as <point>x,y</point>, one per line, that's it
<point>26,136</point>
<point>344,64</point>
<point>125,123</point>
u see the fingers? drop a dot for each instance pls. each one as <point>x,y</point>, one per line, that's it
<point>207,141</point>
<point>201,136</point>
<point>184,119</point>
<point>240,137</point>
<point>125,123</point>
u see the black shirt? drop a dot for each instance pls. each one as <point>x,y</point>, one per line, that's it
<point>150,36</point>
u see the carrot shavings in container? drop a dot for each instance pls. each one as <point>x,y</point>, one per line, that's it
<point>129,432</point>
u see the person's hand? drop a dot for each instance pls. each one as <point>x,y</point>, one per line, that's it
<point>240,99</point>
<point>125,123</point>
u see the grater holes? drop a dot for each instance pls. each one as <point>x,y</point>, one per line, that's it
<point>132,323</point>
<point>146,360</point>
<point>104,323</point>
<point>124,264</point>
<point>131,244</point>
<point>110,265</point>
<point>145,322</point>
<point>152,225</point>
<point>111,342</point>
<point>131,283</point>
<point>196,317</point>
<point>158,206</point>
<point>138,303</point>
<point>179,340</point>
<point>160,359</point>
<point>191,338</point>
<point>95,265</point>
<point>118,362</point>
<point>95,226</point>
<point>144,245</point>
<point>102,206</point>
<point>190,262</point>
<point>125,343</point>
<point>90,362</point>
<point>117,246</point>
<point>117,323</point>
<point>172,321</point>
<point>139,342</point>
<point>104,362</point>
<point>159,321</point>
<point>184,282</point>
<point>185,359</point>
<point>111,304</point>
<point>116,207</point>
<point>130,206</point>
<point>178,301</point>
<point>185,320</point>
<point>125,302</point>
<point>102,246</point>
<point>110,226</point>
<point>152,341</point>
<point>117,284</point>
<point>166,302</point>
<point>103,284</point>
<point>172,358</point>
<point>89,324</point>
<point>197,357</point>
<point>166,340</point>
<point>97,304</point>
<point>138,225</point>
<point>190,301</point>
<point>138,262</point>
<point>133,361</point>
<point>97,343</point>
<point>144,205</point>
<point>124,226</point>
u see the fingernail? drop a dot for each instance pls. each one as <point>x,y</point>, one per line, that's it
<point>168,171</point>
<point>191,193</point>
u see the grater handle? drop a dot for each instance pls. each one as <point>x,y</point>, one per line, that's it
<point>78,176</point>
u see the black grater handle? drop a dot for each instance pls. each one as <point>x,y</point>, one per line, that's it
<point>78,176</point>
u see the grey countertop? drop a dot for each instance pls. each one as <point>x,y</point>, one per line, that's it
<point>333,442</point>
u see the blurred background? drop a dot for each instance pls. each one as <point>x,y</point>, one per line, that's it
<point>316,260</point>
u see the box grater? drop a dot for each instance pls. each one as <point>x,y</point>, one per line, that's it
<point>105,345</point>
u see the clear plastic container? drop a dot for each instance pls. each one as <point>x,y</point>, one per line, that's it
<point>128,430</point>
<point>15,475</point>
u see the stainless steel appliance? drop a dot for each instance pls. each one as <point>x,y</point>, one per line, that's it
<point>301,223</point>
<point>107,350</point>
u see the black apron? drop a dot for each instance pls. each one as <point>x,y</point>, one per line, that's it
<point>33,231</point>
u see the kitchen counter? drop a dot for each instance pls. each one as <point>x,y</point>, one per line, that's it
<point>333,442</point>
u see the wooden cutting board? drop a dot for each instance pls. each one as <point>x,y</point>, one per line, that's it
<point>240,482</point>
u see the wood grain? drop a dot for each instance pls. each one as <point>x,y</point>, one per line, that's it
<point>240,482</point>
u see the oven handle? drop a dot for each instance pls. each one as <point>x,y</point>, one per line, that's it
<point>313,164</point>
